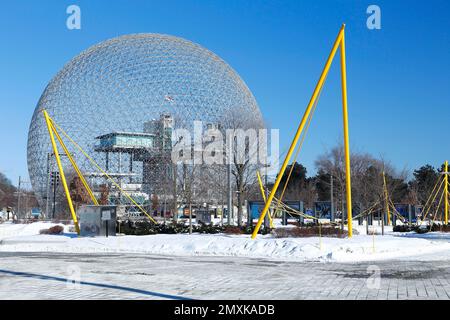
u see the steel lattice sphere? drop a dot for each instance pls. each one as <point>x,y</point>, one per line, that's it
<point>118,86</point>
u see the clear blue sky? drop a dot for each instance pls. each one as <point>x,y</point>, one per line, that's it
<point>398,77</point>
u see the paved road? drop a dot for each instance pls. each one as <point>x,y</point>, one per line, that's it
<point>136,276</point>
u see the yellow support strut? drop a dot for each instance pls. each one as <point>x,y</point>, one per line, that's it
<point>446,208</point>
<point>104,172</point>
<point>261,187</point>
<point>61,171</point>
<point>74,165</point>
<point>346,137</point>
<point>338,42</point>
<point>386,197</point>
<point>432,201</point>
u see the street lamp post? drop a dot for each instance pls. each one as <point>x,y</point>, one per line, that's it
<point>18,197</point>
<point>54,183</point>
<point>229,185</point>
<point>332,197</point>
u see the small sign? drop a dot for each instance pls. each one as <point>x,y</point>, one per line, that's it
<point>106,215</point>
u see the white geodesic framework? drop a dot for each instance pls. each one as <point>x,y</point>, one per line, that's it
<point>118,84</point>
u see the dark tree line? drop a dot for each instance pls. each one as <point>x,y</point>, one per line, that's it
<point>9,196</point>
<point>7,192</point>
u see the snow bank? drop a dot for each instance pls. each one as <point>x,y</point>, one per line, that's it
<point>26,238</point>
<point>9,229</point>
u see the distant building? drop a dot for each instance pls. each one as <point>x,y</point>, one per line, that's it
<point>157,168</point>
<point>152,147</point>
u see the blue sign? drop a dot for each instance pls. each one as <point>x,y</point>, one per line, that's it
<point>35,212</point>
<point>256,207</point>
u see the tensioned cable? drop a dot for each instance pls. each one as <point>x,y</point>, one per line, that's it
<point>301,143</point>
<point>102,171</point>
<point>432,192</point>
<point>434,198</point>
<point>293,211</point>
<point>437,209</point>
<point>367,211</point>
<point>74,165</point>
<point>395,211</point>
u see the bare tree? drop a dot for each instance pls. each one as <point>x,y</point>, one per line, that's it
<point>366,175</point>
<point>78,192</point>
<point>242,132</point>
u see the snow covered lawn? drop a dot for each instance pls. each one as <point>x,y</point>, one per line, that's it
<point>26,238</point>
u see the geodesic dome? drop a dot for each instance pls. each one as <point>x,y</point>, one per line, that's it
<point>119,84</point>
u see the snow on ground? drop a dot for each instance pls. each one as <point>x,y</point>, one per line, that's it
<point>9,229</point>
<point>26,238</point>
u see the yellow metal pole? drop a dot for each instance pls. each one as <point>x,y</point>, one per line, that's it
<point>74,164</point>
<point>387,200</point>
<point>61,171</point>
<point>346,136</point>
<point>261,187</point>
<point>104,173</point>
<point>299,130</point>
<point>446,173</point>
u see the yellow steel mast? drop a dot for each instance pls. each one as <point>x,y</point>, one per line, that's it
<point>61,170</point>
<point>74,165</point>
<point>348,182</point>
<point>338,42</point>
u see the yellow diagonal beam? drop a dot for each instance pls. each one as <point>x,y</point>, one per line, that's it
<point>395,213</point>
<point>61,171</point>
<point>298,149</point>
<point>74,165</point>
<point>104,172</point>
<point>437,210</point>
<point>261,187</point>
<point>431,194</point>
<point>337,43</point>
<point>432,201</point>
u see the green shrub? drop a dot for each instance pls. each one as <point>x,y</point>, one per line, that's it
<point>403,228</point>
<point>309,231</point>
<point>207,228</point>
<point>440,228</point>
<point>145,227</point>
<point>422,230</point>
